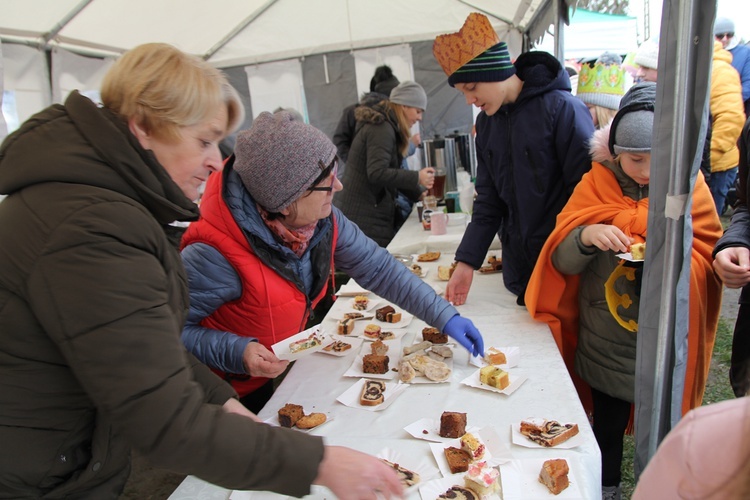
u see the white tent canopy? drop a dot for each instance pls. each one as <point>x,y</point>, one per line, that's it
<point>314,55</point>
<point>241,32</point>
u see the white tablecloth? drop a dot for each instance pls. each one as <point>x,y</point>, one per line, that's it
<point>315,382</point>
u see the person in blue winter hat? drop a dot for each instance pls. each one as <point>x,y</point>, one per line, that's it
<point>724,33</point>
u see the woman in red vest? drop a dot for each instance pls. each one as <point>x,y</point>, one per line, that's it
<point>262,254</point>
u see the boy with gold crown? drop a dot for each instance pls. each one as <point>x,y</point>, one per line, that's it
<point>531,149</point>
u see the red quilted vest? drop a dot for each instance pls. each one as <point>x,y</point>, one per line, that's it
<point>271,308</point>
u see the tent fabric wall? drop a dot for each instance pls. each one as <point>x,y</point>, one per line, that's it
<point>330,86</point>
<point>680,124</point>
<point>25,75</point>
<point>75,72</point>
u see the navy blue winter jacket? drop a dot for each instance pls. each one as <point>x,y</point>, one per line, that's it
<point>530,156</point>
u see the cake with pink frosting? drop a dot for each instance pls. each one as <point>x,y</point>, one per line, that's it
<point>482,479</point>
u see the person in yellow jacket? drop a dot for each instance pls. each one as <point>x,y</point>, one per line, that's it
<point>727,119</point>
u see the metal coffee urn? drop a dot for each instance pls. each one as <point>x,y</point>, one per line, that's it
<point>466,151</point>
<point>440,153</point>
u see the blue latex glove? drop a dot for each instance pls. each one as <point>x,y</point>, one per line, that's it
<point>466,334</point>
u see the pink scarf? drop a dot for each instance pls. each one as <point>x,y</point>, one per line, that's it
<point>296,240</point>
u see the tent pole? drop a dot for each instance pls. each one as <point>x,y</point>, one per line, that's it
<point>680,125</point>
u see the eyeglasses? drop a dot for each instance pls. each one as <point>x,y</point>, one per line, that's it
<point>327,170</point>
<point>720,36</point>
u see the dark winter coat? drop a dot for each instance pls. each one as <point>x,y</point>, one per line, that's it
<point>374,175</point>
<point>738,235</point>
<point>530,155</point>
<point>92,301</point>
<point>345,130</point>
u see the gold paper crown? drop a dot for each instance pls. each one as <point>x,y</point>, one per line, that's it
<point>456,49</point>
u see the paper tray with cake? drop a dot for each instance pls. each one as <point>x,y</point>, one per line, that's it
<point>546,433</point>
<point>295,417</point>
<point>438,489</point>
<point>389,316</point>
<point>413,470</point>
<point>363,304</point>
<point>496,451</point>
<point>370,330</point>
<point>504,357</point>
<point>304,343</point>
<point>429,430</point>
<point>637,253</point>
<point>340,345</point>
<point>426,363</point>
<point>352,397</point>
<point>376,360</point>
<point>520,480</point>
<point>419,269</point>
<point>514,381</point>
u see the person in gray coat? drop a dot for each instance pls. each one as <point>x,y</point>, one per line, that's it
<point>373,174</point>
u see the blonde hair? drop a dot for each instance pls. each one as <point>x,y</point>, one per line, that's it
<point>404,130</point>
<point>604,115</point>
<point>165,89</point>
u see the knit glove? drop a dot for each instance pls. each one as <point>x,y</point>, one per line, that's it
<point>466,334</point>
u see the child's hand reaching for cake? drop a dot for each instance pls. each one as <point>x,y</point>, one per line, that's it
<point>606,237</point>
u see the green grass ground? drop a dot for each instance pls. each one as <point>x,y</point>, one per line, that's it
<point>717,389</point>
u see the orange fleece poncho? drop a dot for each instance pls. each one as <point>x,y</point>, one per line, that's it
<point>553,297</point>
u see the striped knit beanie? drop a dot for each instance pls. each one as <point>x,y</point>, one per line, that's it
<point>492,65</point>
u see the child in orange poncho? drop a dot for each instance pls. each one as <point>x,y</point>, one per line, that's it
<point>590,297</point>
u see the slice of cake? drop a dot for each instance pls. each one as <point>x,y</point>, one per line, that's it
<point>387,314</point>
<point>372,363</point>
<point>473,446</point>
<point>372,331</point>
<point>495,357</point>
<point>372,393</point>
<point>452,424</point>
<point>345,326</point>
<point>406,476</point>
<point>379,347</point>
<point>458,460</point>
<point>638,251</point>
<point>337,346</point>
<point>494,377</point>
<point>482,478</point>
<point>554,475</point>
<point>386,336</point>
<point>360,302</point>
<point>289,414</point>
<point>353,315</point>
<point>433,335</point>
<point>459,493</point>
<point>547,433</point>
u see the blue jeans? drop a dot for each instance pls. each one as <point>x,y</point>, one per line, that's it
<point>720,183</point>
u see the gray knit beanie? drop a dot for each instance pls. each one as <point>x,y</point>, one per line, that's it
<point>278,158</point>
<point>633,132</point>
<point>409,94</point>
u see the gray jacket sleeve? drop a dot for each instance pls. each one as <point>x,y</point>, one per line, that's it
<point>571,256</point>
<point>213,282</point>
<point>373,268</point>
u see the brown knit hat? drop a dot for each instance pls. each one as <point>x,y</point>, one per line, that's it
<point>278,158</point>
